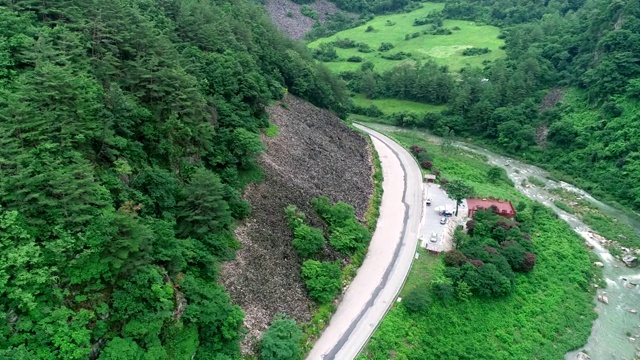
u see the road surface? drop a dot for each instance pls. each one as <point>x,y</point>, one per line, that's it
<point>388,260</point>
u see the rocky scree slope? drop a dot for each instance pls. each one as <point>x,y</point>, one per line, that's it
<point>296,25</point>
<point>313,154</point>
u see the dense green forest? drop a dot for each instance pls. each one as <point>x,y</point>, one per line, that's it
<point>128,129</point>
<point>565,96</point>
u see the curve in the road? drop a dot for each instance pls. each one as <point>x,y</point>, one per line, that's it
<point>380,278</point>
<point>332,354</point>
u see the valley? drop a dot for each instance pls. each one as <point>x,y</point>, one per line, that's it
<point>239,179</point>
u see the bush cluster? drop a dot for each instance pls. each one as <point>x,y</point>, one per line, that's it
<point>346,234</point>
<point>370,111</point>
<point>488,255</point>
<point>364,48</point>
<point>433,18</point>
<point>385,46</point>
<point>309,12</point>
<point>475,51</point>
<point>325,52</point>
<point>322,279</point>
<point>307,240</point>
<point>401,55</point>
<point>345,43</point>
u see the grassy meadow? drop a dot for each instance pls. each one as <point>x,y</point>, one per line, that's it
<point>390,106</point>
<point>444,49</point>
<point>549,313</point>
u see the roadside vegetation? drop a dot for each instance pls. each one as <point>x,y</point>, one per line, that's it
<point>324,278</point>
<point>544,313</point>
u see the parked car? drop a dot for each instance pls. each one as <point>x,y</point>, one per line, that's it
<point>443,220</point>
<point>428,201</point>
<point>433,238</point>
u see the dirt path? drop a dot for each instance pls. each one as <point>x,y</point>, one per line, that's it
<point>388,260</point>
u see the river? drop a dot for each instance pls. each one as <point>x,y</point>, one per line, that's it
<point>616,332</point>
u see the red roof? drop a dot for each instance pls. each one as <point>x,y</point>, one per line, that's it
<point>504,206</point>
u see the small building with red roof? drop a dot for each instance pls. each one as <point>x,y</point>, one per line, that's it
<point>504,207</point>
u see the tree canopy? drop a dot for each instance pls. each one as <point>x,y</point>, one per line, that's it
<point>127,130</point>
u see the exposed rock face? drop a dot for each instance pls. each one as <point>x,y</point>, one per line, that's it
<point>287,17</point>
<point>314,154</point>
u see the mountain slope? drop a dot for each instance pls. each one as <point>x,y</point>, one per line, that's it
<point>314,154</point>
<point>128,130</point>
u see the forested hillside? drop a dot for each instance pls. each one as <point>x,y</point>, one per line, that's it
<point>127,131</point>
<point>566,95</point>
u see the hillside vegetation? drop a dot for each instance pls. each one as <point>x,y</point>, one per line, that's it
<point>128,130</point>
<point>565,95</point>
<point>408,35</point>
<point>549,310</point>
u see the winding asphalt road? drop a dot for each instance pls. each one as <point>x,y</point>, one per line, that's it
<point>388,260</point>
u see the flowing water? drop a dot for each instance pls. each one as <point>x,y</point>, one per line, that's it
<point>616,332</point>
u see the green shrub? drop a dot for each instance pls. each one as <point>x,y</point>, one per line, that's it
<point>472,51</point>
<point>497,175</point>
<point>564,207</point>
<point>349,237</point>
<point>344,43</point>
<point>433,18</point>
<point>335,215</point>
<point>325,52</point>
<point>418,299</point>
<point>282,340</point>
<point>346,233</point>
<point>385,46</point>
<point>307,240</point>
<point>364,48</point>
<point>397,56</point>
<point>370,111</point>
<point>308,12</point>
<point>322,280</point>
<point>437,30</point>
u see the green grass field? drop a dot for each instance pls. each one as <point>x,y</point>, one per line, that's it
<point>444,49</point>
<point>390,106</point>
<point>549,313</point>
